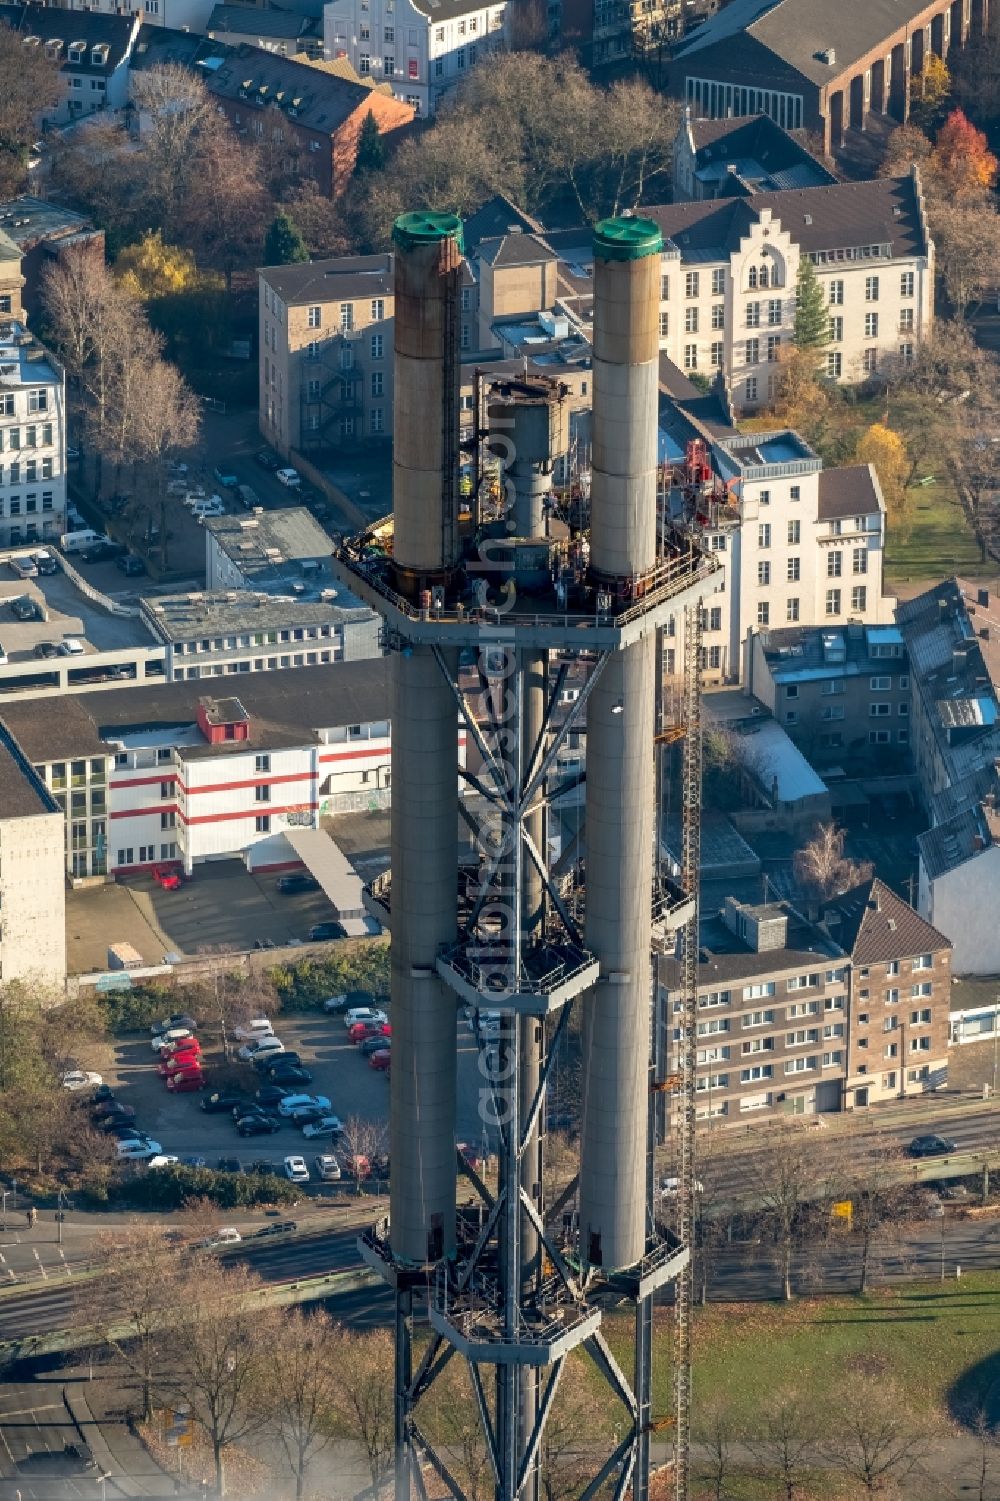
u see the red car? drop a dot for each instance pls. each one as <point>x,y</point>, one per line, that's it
<point>380,1060</point>
<point>356,1165</point>
<point>178,1063</point>
<point>186,1081</point>
<point>170,877</point>
<point>361,1031</point>
<point>184,1045</point>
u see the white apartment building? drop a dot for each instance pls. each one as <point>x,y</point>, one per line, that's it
<point>420,47</point>
<point>32,440</point>
<point>149,774</point>
<point>32,875</point>
<point>730,266</point>
<point>798,544</point>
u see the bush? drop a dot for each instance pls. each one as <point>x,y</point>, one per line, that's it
<point>136,1010</point>
<point>305,986</point>
<point>171,1187</point>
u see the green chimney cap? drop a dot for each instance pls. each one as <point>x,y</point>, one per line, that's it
<point>627,239</point>
<point>422,228</point>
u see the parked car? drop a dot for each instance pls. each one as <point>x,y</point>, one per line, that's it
<point>296,1170</point>
<point>101,1094</point>
<point>24,566</point>
<point>80,1078</point>
<point>356,1165</point>
<point>170,877</point>
<point>931,1146</point>
<point>46,650</point>
<point>327,1168</point>
<point>220,1103</point>
<point>109,1124</point>
<point>374,1044</point>
<point>252,1031</point>
<point>296,880</point>
<point>183,1061</point>
<point>293,1102</point>
<point>258,1125</point>
<point>172,1034</point>
<point>271,1094</point>
<point>229,1165</point>
<point>290,478</point>
<point>25,608</point>
<point>179,1019</point>
<point>289,1073</point>
<point>180,1057</point>
<point>360,1031</point>
<point>186,1081</point>
<point>325,932</point>
<point>268,1059</point>
<point>46,563</point>
<point>165,1159</point>
<point>227,1236</point>
<point>122,1131</point>
<point>112,1109</point>
<point>72,646</point>
<point>138,1151</point>
<point>267,459</point>
<point>371,1016</point>
<point>225,476</point>
<point>335,1003</point>
<point>189,1044</point>
<point>380,1061</point>
<point>130,565</point>
<point>327,1125</point>
<point>261,1047</point>
<point>100,552</point>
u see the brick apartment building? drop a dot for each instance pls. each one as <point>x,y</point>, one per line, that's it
<point>800,1017</point>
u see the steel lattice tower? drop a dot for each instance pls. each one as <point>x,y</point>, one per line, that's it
<point>485,613</point>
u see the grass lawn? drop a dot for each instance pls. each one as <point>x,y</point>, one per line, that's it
<point>933,1340</point>
<point>938,541</point>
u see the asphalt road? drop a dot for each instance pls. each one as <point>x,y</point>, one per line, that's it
<point>34,1427</point>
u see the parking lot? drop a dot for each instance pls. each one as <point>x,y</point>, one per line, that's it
<point>339,1071</point>
<point>224,906</point>
<point>67,612</point>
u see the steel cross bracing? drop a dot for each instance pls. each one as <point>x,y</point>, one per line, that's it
<point>687,1114</point>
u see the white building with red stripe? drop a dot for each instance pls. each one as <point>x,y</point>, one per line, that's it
<point>170,773</point>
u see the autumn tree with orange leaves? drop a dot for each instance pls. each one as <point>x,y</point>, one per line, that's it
<point>962,159</point>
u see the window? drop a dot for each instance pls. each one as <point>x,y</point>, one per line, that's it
<point>879,737</point>
<point>378,309</point>
<point>664,288</point>
<point>377,346</point>
<point>314,317</point>
<point>718,315</point>
<point>753,315</point>
<point>892,968</point>
<point>38,401</point>
<point>168,820</point>
<point>834,563</point>
<point>879,711</point>
<point>906,320</point>
<point>757,1045</point>
<point>921,1018</point>
<point>750,388</point>
<point>906,284</point>
<point>763,574</point>
<point>166,790</point>
<point>774,311</point>
<point>834,364</point>
<point>262,794</point>
<point>751,352</point>
<point>923,961</point>
<point>713,1025</point>
<point>690,320</point>
<point>920,1044</point>
<point>389,33</point>
<point>664,325</point>
<point>364,64</point>
<point>859,599</point>
<point>756,1071</point>
<point>859,560</point>
<point>773,347</point>
<point>836,294</point>
<point>347,315</point>
<point>764,534</point>
<point>880,685</point>
<point>262,823</point>
<point>755,993</point>
<point>803,982</point>
<point>715,618</point>
<point>794,570</point>
<point>833,1060</point>
<point>791,610</point>
<point>719,282</point>
<point>833,1029</point>
<point>691,284</point>
<point>836,329</point>
<point>376,424</point>
<point>802,1038</point>
<point>716,355</point>
<point>792,691</point>
<point>871,290</point>
<point>763,612</point>
<point>262,763</point>
<point>690,356</point>
<point>833,1003</point>
<point>906,353</point>
<point>871,325</point>
<point>377,383</point>
<point>833,601</point>
<point>892,997</point>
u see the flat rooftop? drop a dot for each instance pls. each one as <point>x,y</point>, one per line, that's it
<point>183,617</point>
<point>270,547</point>
<point>27,220</point>
<point>25,362</point>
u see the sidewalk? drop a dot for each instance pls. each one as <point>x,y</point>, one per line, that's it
<point>130,1469</point>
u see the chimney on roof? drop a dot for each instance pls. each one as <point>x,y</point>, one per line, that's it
<point>942,609</point>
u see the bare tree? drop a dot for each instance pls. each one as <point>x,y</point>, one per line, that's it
<point>715,1437</point>
<point>362,1142</point>
<point>880,1445</point>
<point>879,1196</point>
<point>30,82</point>
<point>783,1178</point>
<point>299,1396</point>
<point>220,1347</point>
<point>172,106</point>
<point>821,866</point>
<point>133,1304</point>
<point>565,1458</point>
<point>366,1371</point>
<point>784,1444</point>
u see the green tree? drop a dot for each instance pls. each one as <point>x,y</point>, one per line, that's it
<point>812,322</point>
<point>371,147</point>
<point>284,244</point>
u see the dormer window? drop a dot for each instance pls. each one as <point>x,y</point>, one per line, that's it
<point>76,51</point>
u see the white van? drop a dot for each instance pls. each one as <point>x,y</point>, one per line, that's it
<point>77,541</point>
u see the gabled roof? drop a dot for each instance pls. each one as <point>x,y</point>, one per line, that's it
<point>876,925</point>
<point>340,278</point>
<point>89,27</point>
<point>515,249</point>
<point>498,216</point>
<point>761,152</point>
<point>884,211</point>
<point>850,491</point>
<point>252,20</point>
<point>798,32</point>
<point>321,101</point>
